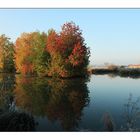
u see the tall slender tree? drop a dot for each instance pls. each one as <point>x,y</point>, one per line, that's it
<point>7,61</point>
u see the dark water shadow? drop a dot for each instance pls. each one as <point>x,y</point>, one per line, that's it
<point>10,118</point>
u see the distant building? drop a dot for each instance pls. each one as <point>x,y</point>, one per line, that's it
<point>134,66</point>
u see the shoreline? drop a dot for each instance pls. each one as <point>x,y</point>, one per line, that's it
<point>123,72</point>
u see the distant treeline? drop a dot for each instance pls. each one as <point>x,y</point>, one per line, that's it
<point>60,54</point>
<point>117,70</point>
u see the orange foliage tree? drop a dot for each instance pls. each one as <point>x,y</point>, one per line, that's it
<point>30,51</point>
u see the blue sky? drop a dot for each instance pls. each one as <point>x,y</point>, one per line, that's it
<point>113,35</point>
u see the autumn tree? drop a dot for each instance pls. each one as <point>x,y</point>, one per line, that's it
<point>56,54</point>
<point>69,54</point>
<point>30,53</point>
<point>7,63</point>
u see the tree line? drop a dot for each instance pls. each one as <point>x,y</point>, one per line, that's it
<point>59,54</point>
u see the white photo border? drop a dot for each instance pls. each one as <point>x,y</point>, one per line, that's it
<point>14,4</point>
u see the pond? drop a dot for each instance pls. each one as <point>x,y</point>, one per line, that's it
<point>100,103</point>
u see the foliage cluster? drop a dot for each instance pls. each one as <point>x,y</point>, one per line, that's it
<point>7,63</point>
<point>56,54</point>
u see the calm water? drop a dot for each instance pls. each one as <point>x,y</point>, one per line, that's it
<point>100,103</point>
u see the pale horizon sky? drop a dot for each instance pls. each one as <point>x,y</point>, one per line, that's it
<point>113,35</point>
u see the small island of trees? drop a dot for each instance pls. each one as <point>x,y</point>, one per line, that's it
<point>55,54</point>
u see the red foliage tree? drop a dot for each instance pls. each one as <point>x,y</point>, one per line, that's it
<point>69,54</point>
<point>77,56</point>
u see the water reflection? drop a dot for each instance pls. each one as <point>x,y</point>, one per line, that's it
<point>45,104</point>
<point>130,117</point>
<point>10,118</point>
<point>131,114</point>
<point>58,100</point>
<point>16,121</point>
<point>108,121</point>
<point>7,85</point>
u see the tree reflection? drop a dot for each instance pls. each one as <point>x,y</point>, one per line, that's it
<point>59,100</point>
<point>10,118</point>
<point>16,121</point>
<point>131,117</point>
<point>7,85</point>
<point>131,114</point>
<point>109,124</point>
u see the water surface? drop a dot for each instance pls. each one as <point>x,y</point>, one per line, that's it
<point>100,103</point>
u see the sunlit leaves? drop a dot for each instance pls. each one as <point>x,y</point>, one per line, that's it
<point>60,54</point>
<point>69,47</point>
<point>30,52</point>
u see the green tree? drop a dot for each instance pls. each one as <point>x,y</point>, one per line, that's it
<point>7,63</point>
